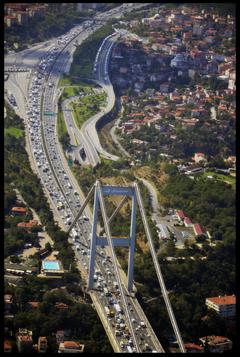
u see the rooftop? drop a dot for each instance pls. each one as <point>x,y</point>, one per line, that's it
<point>223,300</point>
<point>19,209</point>
<point>197,229</point>
<point>193,346</point>
<point>215,340</point>
<point>7,345</point>
<point>180,214</point>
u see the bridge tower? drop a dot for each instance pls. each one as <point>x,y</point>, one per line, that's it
<point>133,191</point>
<point>97,240</point>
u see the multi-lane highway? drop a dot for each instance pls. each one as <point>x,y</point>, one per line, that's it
<point>129,331</point>
<point>102,78</point>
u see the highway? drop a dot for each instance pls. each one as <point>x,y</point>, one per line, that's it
<point>89,127</point>
<point>127,332</point>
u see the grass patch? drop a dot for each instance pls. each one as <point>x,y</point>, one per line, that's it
<point>87,106</point>
<point>221,177</point>
<point>16,132</point>
<point>73,91</point>
<point>67,80</point>
<point>62,130</point>
<point>61,125</point>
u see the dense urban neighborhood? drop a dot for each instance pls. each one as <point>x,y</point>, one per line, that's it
<point>119,178</point>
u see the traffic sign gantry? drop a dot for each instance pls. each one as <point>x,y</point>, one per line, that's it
<point>49,113</point>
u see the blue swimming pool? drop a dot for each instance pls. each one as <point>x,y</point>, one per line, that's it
<point>51,265</point>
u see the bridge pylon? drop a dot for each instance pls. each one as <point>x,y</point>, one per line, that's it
<point>97,240</point>
<point>133,191</point>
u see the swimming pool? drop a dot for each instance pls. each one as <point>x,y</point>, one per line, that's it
<point>50,265</point>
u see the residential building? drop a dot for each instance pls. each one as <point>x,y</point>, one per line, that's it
<point>7,346</point>
<point>231,160</point>
<point>22,17</point>
<point>164,87</point>
<point>52,268</point>
<point>33,304</point>
<point>42,344</point>
<point>187,222</point>
<point>19,269</point>
<point>8,302</point>
<point>197,229</point>
<point>86,6</point>
<point>179,61</point>
<point>180,215</point>
<point>61,306</point>
<point>30,224</point>
<point>70,347</point>
<point>24,340</point>
<point>193,348</point>
<point>225,306</point>
<point>216,344</point>
<point>10,20</point>
<point>199,157</point>
<point>18,211</point>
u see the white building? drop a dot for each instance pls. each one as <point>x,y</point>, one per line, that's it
<point>198,157</point>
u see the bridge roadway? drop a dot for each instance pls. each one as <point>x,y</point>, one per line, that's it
<point>55,167</point>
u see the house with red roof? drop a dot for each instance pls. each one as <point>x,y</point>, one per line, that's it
<point>18,210</point>
<point>225,306</point>
<point>70,347</point>
<point>187,222</point>
<point>7,346</point>
<point>193,348</point>
<point>180,215</point>
<point>30,224</point>
<point>216,344</point>
<point>197,229</point>
<point>198,157</point>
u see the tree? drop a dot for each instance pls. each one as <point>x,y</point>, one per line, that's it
<point>201,238</point>
<point>48,247</point>
<point>15,259</point>
<point>170,248</point>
